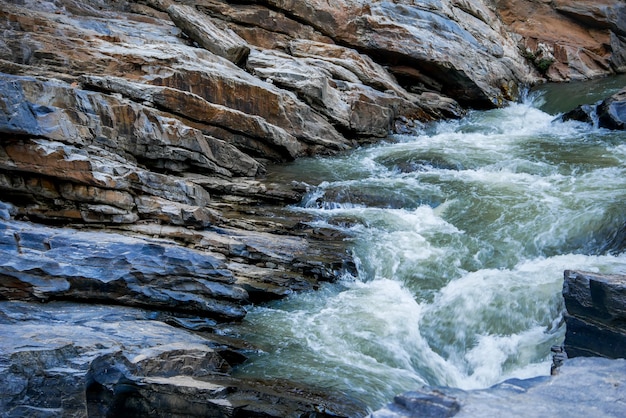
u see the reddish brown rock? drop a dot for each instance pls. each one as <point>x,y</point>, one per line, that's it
<point>569,40</point>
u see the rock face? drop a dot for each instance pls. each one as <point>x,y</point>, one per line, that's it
<point>134,137</point>
<point>609,113</point>
<point>596,314</point>
<point>569,40</point>
<point>457,48</point>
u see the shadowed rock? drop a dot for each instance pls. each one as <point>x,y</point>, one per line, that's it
<point>596,314</point>
<point>612,111</point>
<point>119,361</point>
<point>609,113</point>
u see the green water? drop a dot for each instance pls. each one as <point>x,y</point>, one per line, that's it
<point>461,233</point>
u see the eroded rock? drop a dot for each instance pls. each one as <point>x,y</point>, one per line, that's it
<point>201,29</point>
<point>596,314</point>
<point>117,361</point>
<point>144,130</point>
<point>476,68</point>
<point>609,113</point>
<point>569,40</point>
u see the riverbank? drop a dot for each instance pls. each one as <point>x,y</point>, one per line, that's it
<point>135,142</point>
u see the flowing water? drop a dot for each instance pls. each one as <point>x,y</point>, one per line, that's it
<point>461,233</point>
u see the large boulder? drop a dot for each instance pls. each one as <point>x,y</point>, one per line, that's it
<point>612,111</point>
<point>609,113</point>
<point>453,47</point>
<point>596,314</point>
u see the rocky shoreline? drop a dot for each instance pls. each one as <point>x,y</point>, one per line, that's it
<point>136,223</point>
<point>587,375</point>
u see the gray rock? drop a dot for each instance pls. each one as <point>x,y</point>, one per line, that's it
<point>584,387</point>
<point>120,361</point>
<point>56,264</point>
<point>596,314</point>
<point>201,29</point>
<point>609,113</point>
<point>612,111</point>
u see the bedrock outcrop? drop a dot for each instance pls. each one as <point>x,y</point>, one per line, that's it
<point>134,139</point>
<point>595,315</point>
<point>65,359</point>
<point>569,40</point>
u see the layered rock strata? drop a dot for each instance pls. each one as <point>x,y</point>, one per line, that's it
<point>595,315</point>
<point>65,359</point>
<point>568,40</point>
<point>138,133</point>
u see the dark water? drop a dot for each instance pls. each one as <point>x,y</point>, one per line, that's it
<point>461,233</point>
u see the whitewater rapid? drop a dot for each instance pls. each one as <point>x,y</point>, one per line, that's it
<point>460,232</point>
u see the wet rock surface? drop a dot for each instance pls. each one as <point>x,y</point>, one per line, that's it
<point>134,138</point>
<point>596,314</point>
<point>581,389</point>
<point>65,359</point>
<point>609,113</point>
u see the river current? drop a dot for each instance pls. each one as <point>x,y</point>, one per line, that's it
<point>461,232</point>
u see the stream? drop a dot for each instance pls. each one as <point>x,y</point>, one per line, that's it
<point>460,232</point>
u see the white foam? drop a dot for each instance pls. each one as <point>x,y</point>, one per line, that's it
<point>466,293</point>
